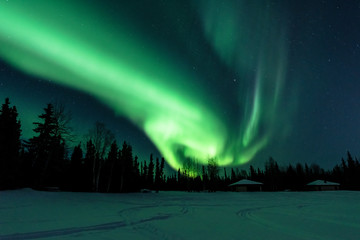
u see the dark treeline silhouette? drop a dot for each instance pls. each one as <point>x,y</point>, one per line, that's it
<point>275,178</point>
<point>100,164</point>
<point>10,146</point>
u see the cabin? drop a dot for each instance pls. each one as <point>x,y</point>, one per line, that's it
<point>246,185</point>
<point>323,185</point>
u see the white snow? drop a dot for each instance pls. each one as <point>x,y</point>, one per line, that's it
<point>28,214</point>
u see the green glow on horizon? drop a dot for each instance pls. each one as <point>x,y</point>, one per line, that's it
<point>137,82</point>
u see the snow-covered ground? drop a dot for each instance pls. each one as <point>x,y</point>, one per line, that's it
<point>28,214</point>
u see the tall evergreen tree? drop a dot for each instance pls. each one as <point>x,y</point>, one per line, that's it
<point>350,173</point>
<point>144,175</point>
<point>213,171</point>
<point>157,174</point>
<point>300,175</point>
<point>161,173</point>
<point>151,167</point>
<point>48,150</point>
<point>89,164</point>
<point>233,176</point>
<point>127,164</point>
<point>112,159</point>
<point>272,174</point>
<point>253,175</point>
<point>77,172</point>
<point>137,179</point>
<point>179,180</point>
<point>10,132</point>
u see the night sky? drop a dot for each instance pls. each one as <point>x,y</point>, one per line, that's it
<point>236,80</point>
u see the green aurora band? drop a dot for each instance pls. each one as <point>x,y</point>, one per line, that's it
<point>51,39</point>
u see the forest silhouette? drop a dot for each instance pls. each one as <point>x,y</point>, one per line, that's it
<point>100,164</point>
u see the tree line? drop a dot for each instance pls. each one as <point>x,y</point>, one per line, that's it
<point>100,164</point>
<point>45,161</point>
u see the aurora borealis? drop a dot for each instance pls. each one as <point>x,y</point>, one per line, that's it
<point>201,79</point>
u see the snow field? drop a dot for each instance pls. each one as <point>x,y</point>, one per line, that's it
<point>28,214</point>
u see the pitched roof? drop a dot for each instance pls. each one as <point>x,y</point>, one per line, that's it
<point>245,182</point>
<point>322,183</point>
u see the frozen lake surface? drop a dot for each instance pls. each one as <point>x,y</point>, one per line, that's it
<point>28,214</point>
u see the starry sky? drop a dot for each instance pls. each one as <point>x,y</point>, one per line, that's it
<point>234,80</point>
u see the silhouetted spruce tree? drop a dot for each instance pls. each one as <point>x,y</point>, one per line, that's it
<point>109,167</point>
<point>127,174</point>
<point>136,179</point>
<point>48,150</point>
<point>213,171</point>
<point>351,172</point>
<point>141,174</point>
<point>307,174</point>
<point>141,169</point>
<point>300,177</point>
<point>10,132</point>
<point>58,164</point>
<point>252,174</point>
<point>233,176</point>
<point>290,178</point>
<point>150,177</point>
<point>337,174</point>
<point>114,161</point>
<point>144,176</point>
<point>88,166</point>
<point>198,185</point>
<point>162,165</point>
<point>205,178</point>
<point>272,175</point>
<point>77,170</point>
<point>260,175</point>
<point>179,185</point>
<point>227,177</point>
<point>157,174</point>
<point>171,182</point>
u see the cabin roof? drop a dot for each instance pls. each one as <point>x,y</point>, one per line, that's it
<point>245,182</point>
<point>322,183</point>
